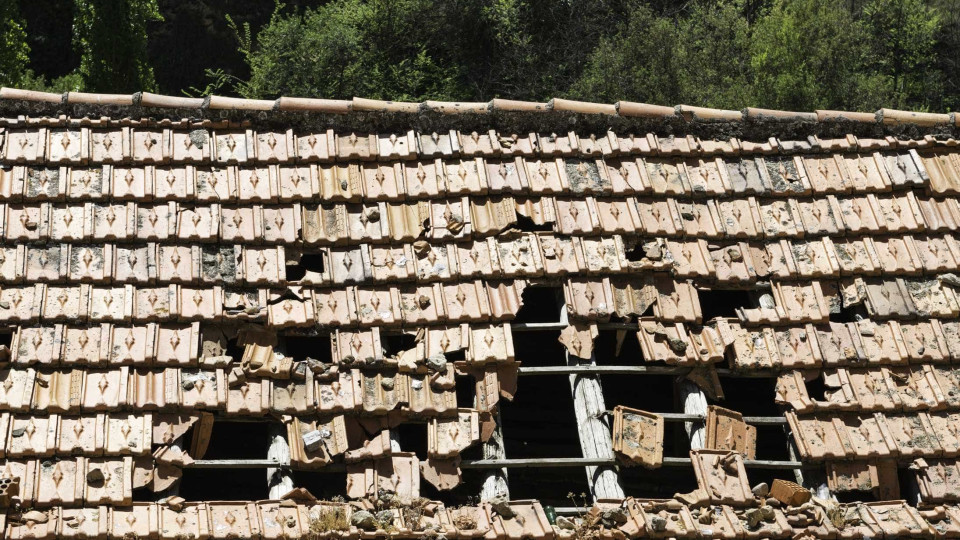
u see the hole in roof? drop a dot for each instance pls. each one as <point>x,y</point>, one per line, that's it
<point>394,343</point>
<point>413,438</point>
<point>650,250</point>
<point>550,485</point>
<point>619,345</point>
<point>465,493</point>
<point>526,224</point>
<point>751,396</point>
<point>834,298</point>
<point>323,485</point>
<point>773,442</point>
<point>540,421</point>
<point>238,440</point>
<point>847,314</point>
<point>540,304</point>
<point>662,483</point>
<point>908,487</point>
<point>308,267</point>
<point>724,302</point>
<point>538,348</point>
<point>651,393</point>
<point>234,349</point>
<point>458,355</point>
<point>816,388</point>
<point>849,497</point>
<point>145,494</point>
<point>302,347</point>
<point>6,340</point>
<point>466,391</point>
<point>225,484</point>
<point>219,340</point>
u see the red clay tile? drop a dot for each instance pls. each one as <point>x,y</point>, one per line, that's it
<point>313,147</point>
<point>399,474</point>
<point>436,144</point>
<point>720,474</point>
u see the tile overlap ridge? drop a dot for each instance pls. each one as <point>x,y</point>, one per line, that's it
<point>626,109</point>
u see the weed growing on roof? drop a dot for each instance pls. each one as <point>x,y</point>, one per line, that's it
<point>464,517</point>
<point>587,524</point>
<point>411,511</point>
<point>579,501</point>
<point>330,518</point>
<point>838,516</point>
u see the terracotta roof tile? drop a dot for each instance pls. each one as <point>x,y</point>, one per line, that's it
<point>73,98</point>
<point>511,105</point>
<point>336,106</point>
<point>362,104</point>
<point>223,102</point>
<point>580,107</point>
<point>891,116</point>
<point>30,95</point>
<point>844,116</point>
<point>629,108</point>
<point>453,107</point>
<point>129,241</point>
<point>758,113</point>
<point>177,102</point>
<point>691,113</point>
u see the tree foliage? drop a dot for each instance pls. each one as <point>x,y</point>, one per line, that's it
<point>14,51</point>
<point>111,36</point>
<point>380,49</point>
<point>787,54</point>
<point>810,54</point>
<point>700,59</point>
<point>902,35</point>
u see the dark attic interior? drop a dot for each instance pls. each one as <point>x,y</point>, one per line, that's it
<point>539,428</point>
<point>297,321</point>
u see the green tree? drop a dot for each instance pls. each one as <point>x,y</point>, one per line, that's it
<point>902,37</point>
<point>379,49</point>
<point>713,47</point>
<point>539,49</point>
<point>14,51</point>
<point>638,63</point>
<point>811,54</point>
<point>948,55</point>
<point>111,37</point>
<point>697,56</point>
<point>424,49</point>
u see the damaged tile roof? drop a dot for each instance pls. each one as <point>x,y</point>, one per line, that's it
<point>158,261</point>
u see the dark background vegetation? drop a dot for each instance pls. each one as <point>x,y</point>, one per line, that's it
<point>787,54</point>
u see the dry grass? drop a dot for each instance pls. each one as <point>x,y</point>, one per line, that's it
<point>586,525</point>
<point>413,513</point>
<point>464,517</point>
<point>330,519</point>
<point>837,516</point>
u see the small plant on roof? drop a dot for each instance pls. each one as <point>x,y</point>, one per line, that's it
<point>330,518</point>
<point>464,517</point>
<point>588,523</point>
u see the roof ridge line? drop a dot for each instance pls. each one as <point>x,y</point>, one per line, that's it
<point>625,109</point>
